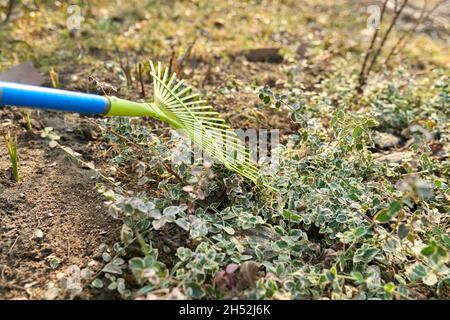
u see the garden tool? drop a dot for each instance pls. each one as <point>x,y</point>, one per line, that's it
<point>173,103</point>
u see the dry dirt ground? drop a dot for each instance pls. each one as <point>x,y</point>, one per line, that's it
<point>57,196</point>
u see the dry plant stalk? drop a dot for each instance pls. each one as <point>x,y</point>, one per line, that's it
<point>11,144</point>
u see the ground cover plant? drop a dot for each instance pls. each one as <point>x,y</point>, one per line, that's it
<point>358,204</point>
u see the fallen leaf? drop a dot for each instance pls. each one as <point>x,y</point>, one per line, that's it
<point>249,274</point>
<point>264,55</point>
<point>24,73</point>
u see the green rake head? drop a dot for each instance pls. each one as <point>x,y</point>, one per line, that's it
<point>175,104</point>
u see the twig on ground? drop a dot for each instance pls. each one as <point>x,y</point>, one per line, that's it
<point>12,246</point>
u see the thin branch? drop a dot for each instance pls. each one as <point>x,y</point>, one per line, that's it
<point>141,79</point>
<point>361,76</point>
<point>171,62</point>
<point>8,11</point>
<point>187,54</point>
<point>386,35</point>
<point>125,67</point>
<point>399,46</point>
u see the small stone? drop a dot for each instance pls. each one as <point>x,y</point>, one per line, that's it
<point>394,157</point>
<point>51,293</point>
<point>93,264</point>
<point>384,140</point>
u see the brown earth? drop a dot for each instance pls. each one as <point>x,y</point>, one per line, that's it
<point>57,196</point>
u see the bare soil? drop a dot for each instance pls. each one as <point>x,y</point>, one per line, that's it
<point>55,195</point>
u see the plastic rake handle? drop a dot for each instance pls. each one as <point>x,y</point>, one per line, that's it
<point>21,95</point>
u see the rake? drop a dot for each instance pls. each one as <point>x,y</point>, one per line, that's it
<point>173,103</point>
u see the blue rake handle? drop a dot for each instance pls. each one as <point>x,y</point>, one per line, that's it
<point>21,95</point>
